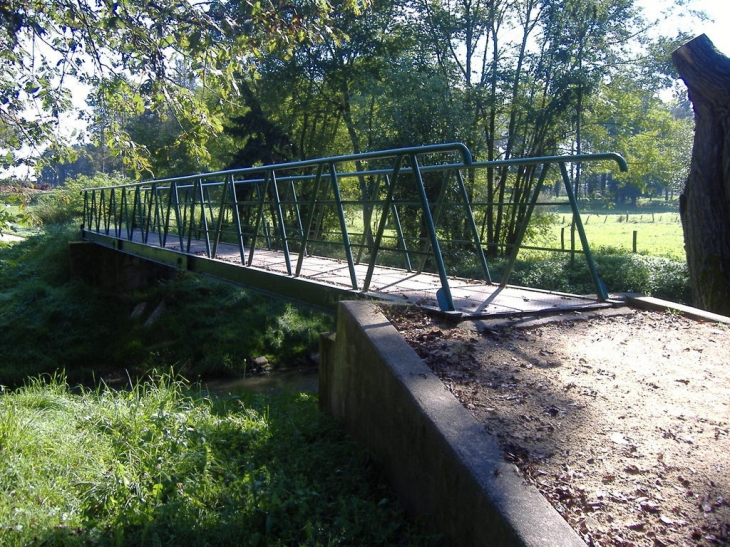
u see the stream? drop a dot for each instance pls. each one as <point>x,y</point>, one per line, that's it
<point>301,380</point>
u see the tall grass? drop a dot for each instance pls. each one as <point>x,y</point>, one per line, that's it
<point>158,464</point>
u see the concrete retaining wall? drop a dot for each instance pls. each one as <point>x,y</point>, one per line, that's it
<point>445,468</point>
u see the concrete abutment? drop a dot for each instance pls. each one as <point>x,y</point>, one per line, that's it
<point>445,468</point>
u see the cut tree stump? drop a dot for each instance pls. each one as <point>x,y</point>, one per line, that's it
<point>705,204</point>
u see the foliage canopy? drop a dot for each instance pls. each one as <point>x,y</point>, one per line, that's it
<point>180,87</point>
<point>136,57</point>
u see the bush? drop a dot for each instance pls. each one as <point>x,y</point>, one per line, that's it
<point>621,271</point>
<point>66,203</point>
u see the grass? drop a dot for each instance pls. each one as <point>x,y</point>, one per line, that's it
<point>621,271</point>
<point>159,464</point>
<point>657,268</point>
<point>48,322</point>
<point>658,234</point>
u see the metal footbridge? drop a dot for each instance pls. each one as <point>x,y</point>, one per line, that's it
<point>405,225</point>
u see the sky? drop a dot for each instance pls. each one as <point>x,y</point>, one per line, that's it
<point>717,28</point>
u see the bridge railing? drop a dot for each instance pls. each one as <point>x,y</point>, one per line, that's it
<point>410,208</point>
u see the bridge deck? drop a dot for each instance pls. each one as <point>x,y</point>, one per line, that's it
<point>471,297</point>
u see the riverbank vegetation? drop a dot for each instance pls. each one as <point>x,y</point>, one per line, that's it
<point>202,327</point>
<point>101,448</point>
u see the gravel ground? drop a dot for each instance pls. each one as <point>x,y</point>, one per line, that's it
<point>620,418</point>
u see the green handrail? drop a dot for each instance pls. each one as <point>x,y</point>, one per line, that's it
<point>198,208</point>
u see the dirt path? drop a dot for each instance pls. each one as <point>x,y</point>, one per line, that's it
<point>620,418</point>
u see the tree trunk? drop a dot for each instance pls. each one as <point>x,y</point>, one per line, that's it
<point>705,203</point>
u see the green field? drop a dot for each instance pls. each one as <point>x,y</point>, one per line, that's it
<point>657,234</point>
